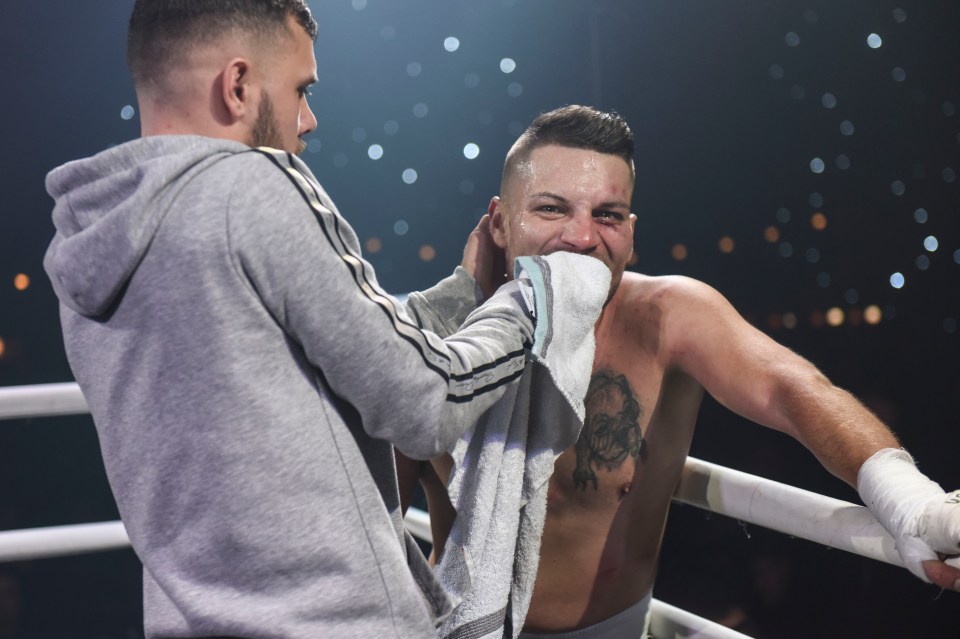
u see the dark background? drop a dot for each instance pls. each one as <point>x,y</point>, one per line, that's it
<point>727,100</point>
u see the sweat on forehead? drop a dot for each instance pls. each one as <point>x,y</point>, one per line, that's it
<point>571,169</point>
<point>574,126</point>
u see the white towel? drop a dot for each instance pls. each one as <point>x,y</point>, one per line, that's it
<point>502,465</point>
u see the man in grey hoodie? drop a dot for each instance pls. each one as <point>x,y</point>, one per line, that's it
<point>245,372</point>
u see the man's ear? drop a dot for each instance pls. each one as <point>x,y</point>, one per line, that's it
<point>235,89</point>
<point>498,221</point>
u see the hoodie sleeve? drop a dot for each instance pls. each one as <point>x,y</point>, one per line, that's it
<point>302,260</point>
<point>443,308</point>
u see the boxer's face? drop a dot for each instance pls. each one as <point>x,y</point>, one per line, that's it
<point>567,199</point>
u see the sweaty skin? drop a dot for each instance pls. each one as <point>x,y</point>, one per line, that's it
<point>661,343</point>
<point>609,494</point>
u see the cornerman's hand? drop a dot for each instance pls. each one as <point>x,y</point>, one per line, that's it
<point>483,259</point>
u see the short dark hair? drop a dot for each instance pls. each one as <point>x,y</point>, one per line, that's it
<point>159,29</point>
<point>576,126</point>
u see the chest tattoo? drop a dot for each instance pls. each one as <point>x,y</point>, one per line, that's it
<point>611,431</point>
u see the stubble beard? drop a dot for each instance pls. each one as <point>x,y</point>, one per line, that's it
<point>266,129</point>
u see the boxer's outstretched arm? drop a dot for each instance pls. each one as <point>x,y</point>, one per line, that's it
<point>761,380</point>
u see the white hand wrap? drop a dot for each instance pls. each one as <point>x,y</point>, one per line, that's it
<point>914,510</point>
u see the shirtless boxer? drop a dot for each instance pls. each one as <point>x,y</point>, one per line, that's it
<point>661,341</point>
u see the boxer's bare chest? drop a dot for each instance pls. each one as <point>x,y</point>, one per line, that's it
<point>619,404</point>
<point>639,417</point>
<point>610,492</point>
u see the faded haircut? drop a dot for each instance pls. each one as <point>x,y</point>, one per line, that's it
<point>574,126</point>
<point>161,29</point>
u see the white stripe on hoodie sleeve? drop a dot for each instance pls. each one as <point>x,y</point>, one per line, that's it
<point>409,386</point>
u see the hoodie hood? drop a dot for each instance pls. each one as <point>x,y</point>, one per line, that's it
<point>108,209</point>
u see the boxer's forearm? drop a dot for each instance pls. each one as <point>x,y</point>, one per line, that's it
<point>835,426</point>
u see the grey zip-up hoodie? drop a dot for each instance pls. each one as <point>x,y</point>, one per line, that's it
<point>247,377</point>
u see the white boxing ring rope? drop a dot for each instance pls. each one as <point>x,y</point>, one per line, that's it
<point>793,511</point>
<point>787,509</point>
<point>42,400</point>
<point>800,513</point>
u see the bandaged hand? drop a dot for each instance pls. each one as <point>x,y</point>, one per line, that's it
<point>918,514</point>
